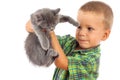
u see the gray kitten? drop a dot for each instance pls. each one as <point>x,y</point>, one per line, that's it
<point>37,45</point>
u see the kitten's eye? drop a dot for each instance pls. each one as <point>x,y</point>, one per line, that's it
<point>39,18</point>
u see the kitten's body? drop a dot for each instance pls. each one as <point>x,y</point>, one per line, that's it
<point>37,45</point>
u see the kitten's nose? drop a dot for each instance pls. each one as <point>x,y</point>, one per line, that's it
<point>52,28</point>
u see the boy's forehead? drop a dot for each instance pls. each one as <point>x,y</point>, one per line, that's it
<point>89,14</point>
<point>90,18</point>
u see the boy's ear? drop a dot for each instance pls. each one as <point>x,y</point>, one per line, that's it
<point>106,34</point>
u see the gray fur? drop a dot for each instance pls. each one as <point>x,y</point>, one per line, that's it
<point>37,45</point>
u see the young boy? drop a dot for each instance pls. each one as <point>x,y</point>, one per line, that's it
<point>79,57</point>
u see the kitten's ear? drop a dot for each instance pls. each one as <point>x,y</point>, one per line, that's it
<point>56,11</point>
<point>32,18</point>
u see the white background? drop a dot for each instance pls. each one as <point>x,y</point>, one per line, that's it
<point>14,64</point>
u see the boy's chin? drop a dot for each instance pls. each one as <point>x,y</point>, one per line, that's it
<point>85,47</point>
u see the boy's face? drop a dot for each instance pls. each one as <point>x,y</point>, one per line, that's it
<point>91,30</point>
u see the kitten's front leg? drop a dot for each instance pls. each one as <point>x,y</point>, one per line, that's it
<point>68,19</point>
<point>50,56</point>
<point>42,37</point>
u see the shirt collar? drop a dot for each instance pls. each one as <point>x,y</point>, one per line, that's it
<point>89,51</point>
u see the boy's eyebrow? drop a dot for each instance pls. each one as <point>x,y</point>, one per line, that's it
<point>89,25</point>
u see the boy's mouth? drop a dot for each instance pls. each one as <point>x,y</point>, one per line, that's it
<point>82,41</point>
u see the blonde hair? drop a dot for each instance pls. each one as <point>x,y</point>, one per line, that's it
<point>100,8</point>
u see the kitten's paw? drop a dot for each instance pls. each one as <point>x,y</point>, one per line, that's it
<point>50,57</point>
<point>76,24</point>
<point>53,53</point>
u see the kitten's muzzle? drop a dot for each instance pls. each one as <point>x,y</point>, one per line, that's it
<point>52,28</point>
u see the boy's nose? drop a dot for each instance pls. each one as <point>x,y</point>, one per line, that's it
<point>82,32</point>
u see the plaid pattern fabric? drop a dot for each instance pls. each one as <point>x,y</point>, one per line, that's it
<point>82,64</point>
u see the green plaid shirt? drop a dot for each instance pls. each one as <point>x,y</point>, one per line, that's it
<point>82,64</point>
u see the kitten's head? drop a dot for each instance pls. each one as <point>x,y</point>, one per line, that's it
<point>45,18</point>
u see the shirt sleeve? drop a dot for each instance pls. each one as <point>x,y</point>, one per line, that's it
<point>64,39</point>
<point>82,68</point>
<point>67,43</point>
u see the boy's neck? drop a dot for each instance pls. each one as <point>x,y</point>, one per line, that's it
<point>79,48</point>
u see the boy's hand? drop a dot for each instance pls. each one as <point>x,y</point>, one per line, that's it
<point>29,26</point>
<point>30,29</point>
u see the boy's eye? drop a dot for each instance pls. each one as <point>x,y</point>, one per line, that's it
<point>79,27</point>
<point>90,28</point>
